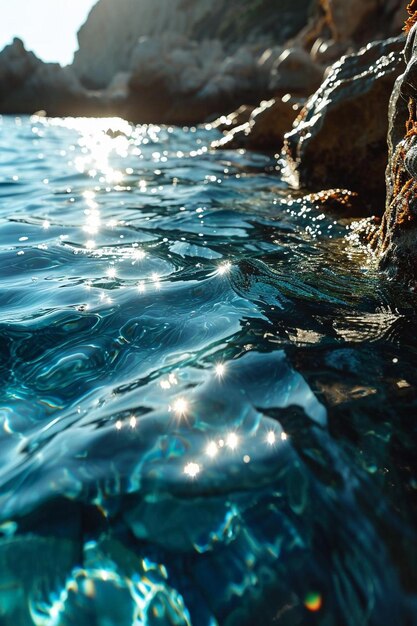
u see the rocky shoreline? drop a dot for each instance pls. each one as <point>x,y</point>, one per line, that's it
<point>322,82</point>
<point>177,62</point>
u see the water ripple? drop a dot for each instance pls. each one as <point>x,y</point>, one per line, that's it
<point>207,394</point>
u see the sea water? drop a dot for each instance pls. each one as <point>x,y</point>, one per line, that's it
<point>208,394</point>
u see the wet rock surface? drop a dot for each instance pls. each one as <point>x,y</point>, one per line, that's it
<point>265,128</point>
<point>335,28</point>
<point>339,139</point>
<point>395,240</point>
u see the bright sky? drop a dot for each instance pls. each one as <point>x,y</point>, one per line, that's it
<point>47,27</point>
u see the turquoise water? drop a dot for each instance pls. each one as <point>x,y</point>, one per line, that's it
<point>208,399</point>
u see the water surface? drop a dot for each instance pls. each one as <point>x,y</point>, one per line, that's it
<point>208,394</point>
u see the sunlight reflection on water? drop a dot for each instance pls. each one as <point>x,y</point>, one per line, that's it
<point>197,373</point>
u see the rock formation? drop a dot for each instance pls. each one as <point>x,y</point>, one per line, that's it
<point>108,39</point>
<point>176,80</point>
<point>172,61</point>
<point>265,128</point>
<point>395,240</point>
<point>28,85</point>
<point>338,25</point>
<point>186,61</point>
<point>339,139</point>
<point>183,61</point>
<point>186,74</point>
<point>335,27</point>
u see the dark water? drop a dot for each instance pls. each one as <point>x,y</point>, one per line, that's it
<point>208,401</point>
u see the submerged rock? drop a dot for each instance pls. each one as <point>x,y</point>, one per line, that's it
<point>339,139</point>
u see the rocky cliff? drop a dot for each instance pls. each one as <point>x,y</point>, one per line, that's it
<point>171,61</point>
<point>186,61</point>
<point>28,85</point>
<point>183,62</point>
<point>108,39</point>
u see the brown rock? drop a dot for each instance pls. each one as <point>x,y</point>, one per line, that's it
<point>345,19</point>
<point>352,23</point>
<point>341,202</point>
<point>327,51</point>
<point>395,241</point>
<point>296,72</point>
<point>266,127</point>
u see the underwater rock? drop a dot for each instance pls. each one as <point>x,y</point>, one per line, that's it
<point>395,239</point>
<point>266,127</point>
<point>339,139</point>
<point>26,562</point>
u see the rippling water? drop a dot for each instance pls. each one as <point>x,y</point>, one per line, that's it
<point>208,400</point>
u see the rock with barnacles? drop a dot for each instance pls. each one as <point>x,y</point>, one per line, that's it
<point>410,160</point>
<point>395,241</point>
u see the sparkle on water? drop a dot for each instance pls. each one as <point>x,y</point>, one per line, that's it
<point>208,393</point>
<point>220,370</point>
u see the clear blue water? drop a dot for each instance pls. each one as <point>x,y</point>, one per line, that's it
<point>208,395</point>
